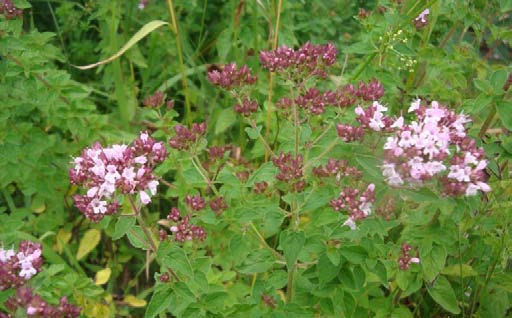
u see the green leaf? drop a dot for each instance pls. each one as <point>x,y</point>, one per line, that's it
<point>178,261</point>
<point>433,262</point>
<point>142,33</point>
<point>258,261</point>
<point>136,237</point>
<point>291,243</point>
<point>443,294</point>
<point>123,225</point>
<point>160,300</point>
<point>253,133</point>
<point>226,119</point>
<point>504,110</point>
<point>455,270</point>
<point>88,242</point>
<point>326,270</point>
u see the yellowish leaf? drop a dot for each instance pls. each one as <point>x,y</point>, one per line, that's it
<point>455,270</point>
<point>142,33</point>
<point>38,205</point>
<point>63,238</point>
<point>133,301</point>
<point>102,276</point>
<point>88,242</point>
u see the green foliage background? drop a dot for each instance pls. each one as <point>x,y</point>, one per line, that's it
<point>50,110</point>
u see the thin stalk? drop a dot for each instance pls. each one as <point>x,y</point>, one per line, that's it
<point>264,243</point>
<point>175,29</point>
<point>460,272</point>
<point>268,149</point>
<point>142,224</point>
<point>320,156</point>
<point>290,284</point>
<point>271,76</point>
<point>204,174</point>
<point>487,122</point>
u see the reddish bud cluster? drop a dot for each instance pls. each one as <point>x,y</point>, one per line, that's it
<point>260,187</point>
<point>405,260</point>
<point>231,77</point>
<point>154,101</point>
<point>290,171</point>
<point>195,202</point>
<point>308,60</point>
<point>16,267</point>
<point>349,133</point>
<point>315,101</point>
<point>185,137</point>
<point>268,300</point>
<point>357,204</point>
<point>371,91</point>
<point>218,205</point>
<point>182,229</point>
<point>217,152</point>
<point>8,9</point>
<point>338,168</point>
<point>247,107</point>
<point>108,171</point>
<point>31,305</point>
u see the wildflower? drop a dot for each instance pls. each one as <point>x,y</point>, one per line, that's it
<point>338,168</point>
<point>185,137</point>
<point>373,117</point>
<point>436,145</point>
<point>290,171</point>
<point>16,267</point>
<point>182,229</point>
<point>422,19</point>
<point>247,107</point>
<point>358,205</point>
<point>8,9</point>
<point>308,60</point>
<point>195,202</point>
<point>119,169</point>
<point>154,101</point>
<point>232,77</point>
<point>25,301</point>
<point>218,205</point>
<point>405,260</point>
<point>142,4</point>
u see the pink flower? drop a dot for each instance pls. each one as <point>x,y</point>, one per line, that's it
<point>144,197</point>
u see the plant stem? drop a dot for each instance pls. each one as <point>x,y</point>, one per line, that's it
<point>460,272</point>
<point>204,174</point>
<point>264,243</point>
<point>290,284</point>
<point>271,76</point>
<point>142,224</point>
<point>175,29</point>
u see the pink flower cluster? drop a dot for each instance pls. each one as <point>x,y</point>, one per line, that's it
<point>16,267</point>
<point>25,301</point>
<point>182,229</point>
<point>290,171</point>
<point>308,60</point>
<point>195,202</point>
<point>247,107</point>
<point>422,19</point>
<point>431,146</point>
<point>373,117</point>
<point>8,9</point>
<point>120,169</point>
<point>338,168</point>
<point>405,260</point>
<point>185,137</point>
<point>358,205</point>
<point>231,76</point>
